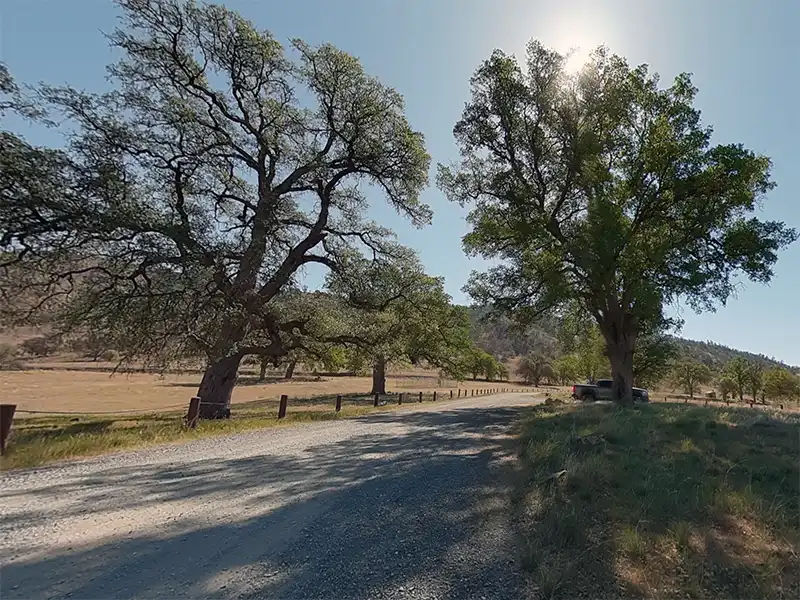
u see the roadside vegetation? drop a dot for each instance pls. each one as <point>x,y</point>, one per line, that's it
<point>40,440</point>
<point>660,501</point>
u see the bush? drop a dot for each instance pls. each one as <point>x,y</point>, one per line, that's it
<point>8,358</point>
<point>41,346</point>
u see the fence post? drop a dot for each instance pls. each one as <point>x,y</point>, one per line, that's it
<point>458,395</point>
<point>420,396</point>
<point>451,394</point>
<point>338,403</point>
<point>400,398</point>
<point>282,406</point>
<point>375,402</point>
<point>194,412</point>
<point>6,416</point>
<point>434,395</point>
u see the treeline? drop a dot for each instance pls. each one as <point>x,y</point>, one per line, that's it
<point>505,339</point>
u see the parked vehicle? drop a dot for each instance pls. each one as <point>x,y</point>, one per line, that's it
<point>602,391</point>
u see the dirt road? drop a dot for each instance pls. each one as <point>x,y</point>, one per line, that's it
<point>405,504</point>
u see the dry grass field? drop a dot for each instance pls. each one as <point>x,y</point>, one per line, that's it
<point>92,389</point>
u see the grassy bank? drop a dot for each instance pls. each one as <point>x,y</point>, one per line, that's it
<point>39,440</point>
<point>661,501</point>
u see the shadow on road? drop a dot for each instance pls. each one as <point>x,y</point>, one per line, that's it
<point>419,514</point>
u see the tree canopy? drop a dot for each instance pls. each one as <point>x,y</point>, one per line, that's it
<point>604,188</point>
<point>190,196</point>
<point>393,311</point>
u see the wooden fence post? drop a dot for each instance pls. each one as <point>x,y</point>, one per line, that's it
<point>375,402</point>
<point>400,398</point>
<point>338,403</point>
<point>282,406</point>
<point>451,394</point>
<point>458,395</point>
<point>194,412</point>
<point>420,396</point>
<point>434,395</point>
<point>6,416</point>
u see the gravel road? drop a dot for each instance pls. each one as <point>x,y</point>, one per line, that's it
<point>406,504</point>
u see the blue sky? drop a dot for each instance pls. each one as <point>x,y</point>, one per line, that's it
<point>745,57</point>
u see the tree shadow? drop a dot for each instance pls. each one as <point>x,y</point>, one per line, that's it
<point>368,515</point>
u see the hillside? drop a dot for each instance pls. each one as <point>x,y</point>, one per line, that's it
<point>505,340</point>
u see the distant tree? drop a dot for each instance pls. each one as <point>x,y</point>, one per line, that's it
<point>737,370</point>
<point>652,359</point>
<point>601,187</point>
<point>534,368</point>
<point>754,375</point>
<point>690,375</point>
<point>490,367</point>
<point>591,355</point>
<point>567,368</point>
<point>392,311</point>
<point>502,372</point>
<point>727,387</point>
<point>43,345</point>
<point>781,384</point>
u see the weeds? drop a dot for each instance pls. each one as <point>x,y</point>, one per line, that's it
<point>41,440</point>
<point>660,501</point>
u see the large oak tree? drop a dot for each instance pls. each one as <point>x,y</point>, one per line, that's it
<point>603,187</point>
<point>188,198</point>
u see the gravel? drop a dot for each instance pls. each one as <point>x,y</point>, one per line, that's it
<point>406,504</point>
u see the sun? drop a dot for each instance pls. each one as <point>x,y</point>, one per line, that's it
<point>577,56</point>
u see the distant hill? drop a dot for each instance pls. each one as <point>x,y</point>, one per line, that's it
<point>505,340</point>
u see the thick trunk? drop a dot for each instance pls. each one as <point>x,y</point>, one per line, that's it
<point>217,386</point>
<point>621,374</point>
<point>620,336</point>
<point>262,372</point>
<point>379,376</point>
<point>290,369</point>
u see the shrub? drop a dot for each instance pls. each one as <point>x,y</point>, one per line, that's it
<point>8,358</point>
<point>41,346</point>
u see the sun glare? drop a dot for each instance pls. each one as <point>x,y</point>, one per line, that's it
<point>577,57</point>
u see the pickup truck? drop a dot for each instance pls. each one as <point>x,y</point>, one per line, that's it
<point>602,391</point>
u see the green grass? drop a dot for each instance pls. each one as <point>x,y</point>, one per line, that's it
<point>40,440</point>
<point>660,501</point>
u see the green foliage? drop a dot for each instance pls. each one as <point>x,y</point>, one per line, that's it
<point>690,375</point>
<point>781,384</point>
<point>727,386</point>
<point>591,355</point>
<point>568,369</point>
<point>738,371</point>
<point>652,359</point>
<point>391,311</point>
<point>534,368</point>
<point>602,188</point>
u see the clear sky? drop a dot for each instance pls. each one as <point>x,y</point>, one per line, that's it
<point>745,57</point>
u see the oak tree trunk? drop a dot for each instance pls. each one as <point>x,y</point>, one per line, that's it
<point>217,386</point>
<point>379,376</point>
<point>620,333</point>
<point>290,369</point>
<point>262,372</point>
